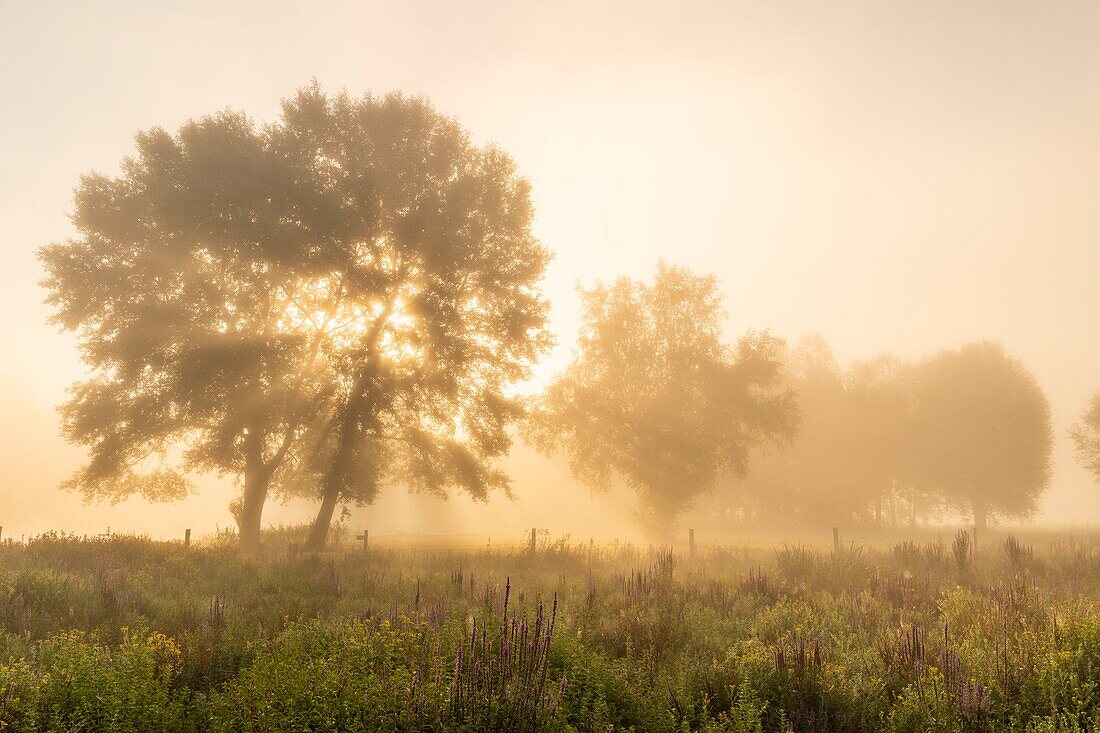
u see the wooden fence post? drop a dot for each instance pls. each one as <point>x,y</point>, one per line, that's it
<point>691,543</point>
<point>186,539</point>
<point>836,540</point>
<point>365,537</point>
<point>532,546</point>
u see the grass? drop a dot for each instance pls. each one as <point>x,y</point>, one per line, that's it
<point>128,634</point>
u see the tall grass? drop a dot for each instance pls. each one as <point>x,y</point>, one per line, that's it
<point>125,633</point>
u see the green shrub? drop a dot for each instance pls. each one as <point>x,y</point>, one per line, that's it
<point>80,685</point>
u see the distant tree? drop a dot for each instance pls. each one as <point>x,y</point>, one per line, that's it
<point>809,479</point>
<point>879,395</point>
<point>983,433</point>
<point>429,252</point>
<point>1086,437</point>
<point>184,286</point>
<point>655,398</point>
<point>812,361</point>
<point>849,457</point>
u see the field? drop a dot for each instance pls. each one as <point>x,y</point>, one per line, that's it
<point>129,634</point>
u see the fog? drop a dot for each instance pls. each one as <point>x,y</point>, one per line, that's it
<point>545,497</point>
<point>904,180</point>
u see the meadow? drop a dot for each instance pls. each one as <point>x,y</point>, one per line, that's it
<point>124,633</point>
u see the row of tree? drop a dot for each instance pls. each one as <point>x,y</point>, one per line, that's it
<point>656,398</point>
<point>345,299</point>
<point>964,432</point>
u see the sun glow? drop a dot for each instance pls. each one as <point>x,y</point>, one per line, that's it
<point>324,311</point>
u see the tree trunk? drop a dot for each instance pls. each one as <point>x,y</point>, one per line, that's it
<point>257,478</point>
<point>318,532</point>
<point>334,482</point>
<point>337,476</point>
<point>256,482</point>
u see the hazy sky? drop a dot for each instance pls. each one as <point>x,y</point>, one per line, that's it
<point>900,176</point>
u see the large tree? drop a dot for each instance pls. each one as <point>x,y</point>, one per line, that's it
<point>181,286</point>
<point>429,254</point>
<point>656,398</point>
<point>1086,437</point>
<point>334,301</point>
<point>982,431</point>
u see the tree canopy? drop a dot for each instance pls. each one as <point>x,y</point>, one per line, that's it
<point>849,458</point>
<point>965,431</point>
<point>337,300</point>
<point>181,285</point>
<point>656,398</point>
<point>428,250</point>
<point>1086,437</point>
<point>983,435</point>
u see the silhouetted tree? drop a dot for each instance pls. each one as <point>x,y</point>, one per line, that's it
<point>1086,437</point>
<point>850,455</point>
<point>656,398</point>
<point>879,395</point>
<point>809,478</point>
<point>181,286</point>
<point>429,252</point>
<point>336,301</point>
<point>982,431</point>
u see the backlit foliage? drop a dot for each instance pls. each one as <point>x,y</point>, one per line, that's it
<point>323,305</point>
<point>1086,438</point>
<point>656,398</point>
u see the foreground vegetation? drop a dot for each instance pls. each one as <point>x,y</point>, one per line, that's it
<point>128,634</point>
